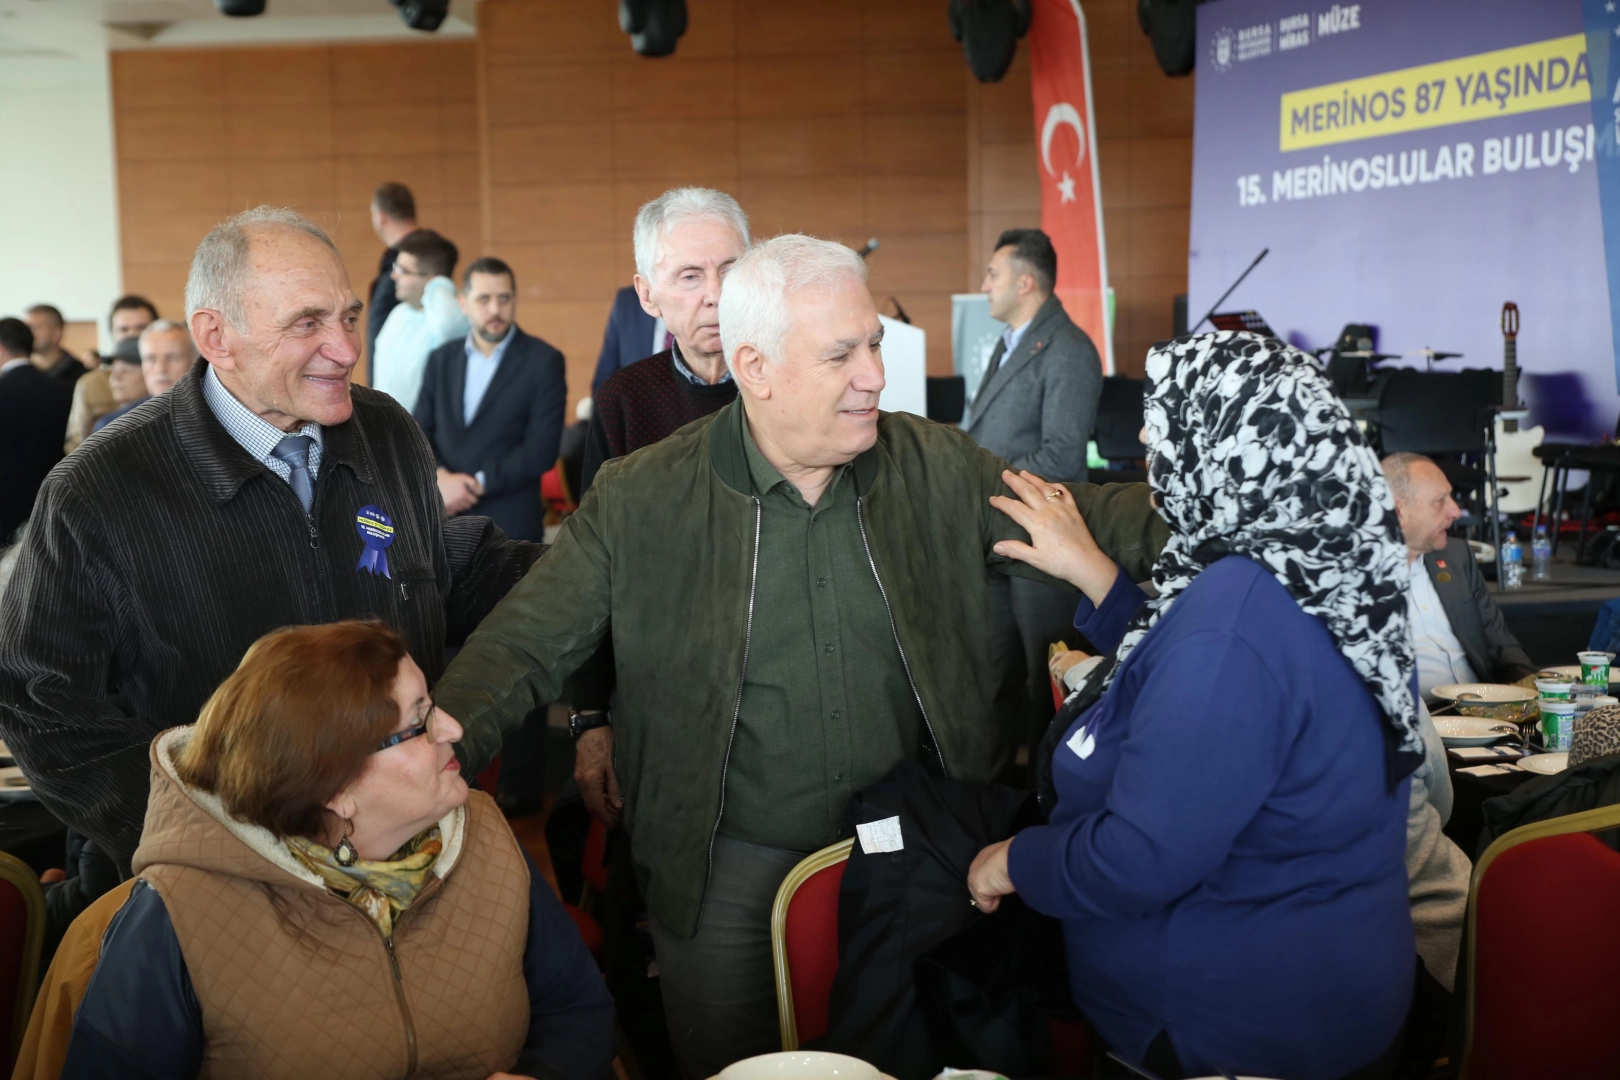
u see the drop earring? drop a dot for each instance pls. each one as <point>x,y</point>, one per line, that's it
<point>344,853</point>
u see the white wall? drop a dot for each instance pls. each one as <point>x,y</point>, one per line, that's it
<point>58,194</point>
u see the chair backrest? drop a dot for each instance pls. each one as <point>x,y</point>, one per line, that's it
<point>22,939</point>
<point>804,942</point>
<point>1436,412</point>
<point>593,863</point>
<point>1119,418</point>
<point>1543,940</point>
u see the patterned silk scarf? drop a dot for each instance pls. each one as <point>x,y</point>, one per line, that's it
<point>1251,453</point>
<point>381,889</point>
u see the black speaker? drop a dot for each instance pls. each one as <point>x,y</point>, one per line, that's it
<point>240,8</point>
<point>1172,27</point>
<point>654,26</point>
<point>989,31</point>
<point>424,15</point>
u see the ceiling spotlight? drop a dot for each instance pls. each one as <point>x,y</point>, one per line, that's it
<point>653,25</point>
<point>240,8</point>
<point>420,14</point>
<point>989,31</point>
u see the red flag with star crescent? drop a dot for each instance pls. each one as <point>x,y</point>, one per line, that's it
<point>1066,140</point>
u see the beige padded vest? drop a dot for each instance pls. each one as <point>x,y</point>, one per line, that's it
<point>295,982</point>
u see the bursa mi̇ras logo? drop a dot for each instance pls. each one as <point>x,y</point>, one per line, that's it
<point>1220,49</point>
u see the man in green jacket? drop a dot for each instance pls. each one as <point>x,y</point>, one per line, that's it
<point>796,589</point>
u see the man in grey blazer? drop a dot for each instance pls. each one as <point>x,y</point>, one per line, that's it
<point>1035,406</point>
<point>1457,629</point>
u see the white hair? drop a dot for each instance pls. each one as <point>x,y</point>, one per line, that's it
<point>679,205</point>
<point>215,281</point>
<point>169,326</point>
<point>754,299</point>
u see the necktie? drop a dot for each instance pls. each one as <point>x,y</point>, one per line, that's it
<point>995,362</point>
<point>294,450</point>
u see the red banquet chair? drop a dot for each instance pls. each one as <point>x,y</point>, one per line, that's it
<point>22,939</point>
<point>804,942</point>
<point>1553,875</point>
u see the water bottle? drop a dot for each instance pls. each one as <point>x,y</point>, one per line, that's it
<point>1512,563</point>
<point>1540,555</point>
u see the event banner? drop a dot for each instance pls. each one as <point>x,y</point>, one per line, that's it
<point>1066,138</point>
<point>1412,166</point>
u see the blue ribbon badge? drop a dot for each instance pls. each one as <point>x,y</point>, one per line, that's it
<point>377,532</point>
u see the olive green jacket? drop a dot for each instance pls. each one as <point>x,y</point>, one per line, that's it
<point>664,550</point>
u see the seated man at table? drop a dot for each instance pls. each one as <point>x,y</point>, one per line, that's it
<point>1456,628</point>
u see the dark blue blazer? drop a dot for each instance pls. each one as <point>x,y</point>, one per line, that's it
<point>513,437</point>
<point>628,337</point>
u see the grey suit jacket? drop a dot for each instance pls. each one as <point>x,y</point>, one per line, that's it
<point>1037,408</point>
<point>1492,650</point>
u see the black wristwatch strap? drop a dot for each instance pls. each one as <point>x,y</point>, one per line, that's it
<point>580,723</point>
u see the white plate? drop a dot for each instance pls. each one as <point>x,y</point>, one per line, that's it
<point>14,785</point>
<point>1470,730</point>
<point>800,1065</point>
<point>1563,671</point>
<point>1483,692</point>
<point>1546,764</point>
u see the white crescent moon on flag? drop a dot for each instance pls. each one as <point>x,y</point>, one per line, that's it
<point>1058,115</point>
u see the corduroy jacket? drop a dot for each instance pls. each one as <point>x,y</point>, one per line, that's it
<point>161,549</point>
<point>665,547</point>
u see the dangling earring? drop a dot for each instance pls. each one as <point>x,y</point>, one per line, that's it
<point>344,853</point>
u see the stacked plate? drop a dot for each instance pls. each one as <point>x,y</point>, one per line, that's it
<point>1471,730</point>
<point>1546,764</point>
<point>1493,701</point>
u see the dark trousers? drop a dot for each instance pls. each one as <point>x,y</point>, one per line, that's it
<point>523,760</point>
<point>1026,617</point>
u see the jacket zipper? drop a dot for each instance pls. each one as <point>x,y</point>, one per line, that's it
<point>404,1007</point>
<point>860,519</point>
<point>736,710</point>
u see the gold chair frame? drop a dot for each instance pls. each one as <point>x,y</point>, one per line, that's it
<point>18,873</point>
<point>831,855</point>
<point>1587,821</point>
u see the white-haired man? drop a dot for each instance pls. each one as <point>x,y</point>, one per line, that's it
<point>166,353</point>
<point>797,587</point>
<point>264,490</point>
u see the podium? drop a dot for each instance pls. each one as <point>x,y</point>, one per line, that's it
<point>905,367</point>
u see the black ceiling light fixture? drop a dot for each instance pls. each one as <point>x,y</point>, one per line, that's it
<point>654,26</point>
<point>240,8</point>
<point>424,15</point>
<point>1172,27</point>
<point>989,31</point>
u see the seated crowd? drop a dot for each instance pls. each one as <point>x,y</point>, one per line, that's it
<point>263,622</point>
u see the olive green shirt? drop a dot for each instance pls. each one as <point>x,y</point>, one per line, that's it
<point>826,706</point>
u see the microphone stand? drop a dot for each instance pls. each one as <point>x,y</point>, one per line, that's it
<point>1263,253</point>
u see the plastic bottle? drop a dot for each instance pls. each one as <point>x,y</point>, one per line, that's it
<point>1512,562</point>
<point>1540,555</point>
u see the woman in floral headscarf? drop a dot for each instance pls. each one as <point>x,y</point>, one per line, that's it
<point>1226,848</point>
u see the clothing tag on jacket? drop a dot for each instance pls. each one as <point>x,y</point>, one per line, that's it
<point>879,836</point>
<point>1082,743</point>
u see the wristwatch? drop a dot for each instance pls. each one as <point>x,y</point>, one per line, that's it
<point>579,723</point>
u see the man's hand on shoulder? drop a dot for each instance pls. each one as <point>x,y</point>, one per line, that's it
<point>459,491</point>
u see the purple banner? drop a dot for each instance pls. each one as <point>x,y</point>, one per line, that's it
<point>1413,166</point>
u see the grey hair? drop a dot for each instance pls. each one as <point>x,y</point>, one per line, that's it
<point>1398,471</point>
<point>674,207</point>
<point>169,326</point>
<point>754,298</point>
<point>218,265</point>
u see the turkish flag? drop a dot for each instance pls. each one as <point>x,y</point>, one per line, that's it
<point>1071,199</point>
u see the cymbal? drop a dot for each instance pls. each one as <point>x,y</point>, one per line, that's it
<point>1436,354</point>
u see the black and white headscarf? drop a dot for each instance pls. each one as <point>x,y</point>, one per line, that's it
<point>1251,453</point>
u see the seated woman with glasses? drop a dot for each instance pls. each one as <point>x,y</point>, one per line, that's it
<point>320,895</point>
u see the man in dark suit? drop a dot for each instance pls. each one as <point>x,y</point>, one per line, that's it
<point>33,415</point>
<point>631,335</point>
<point>492,406</point>
<point>1035,406</point>
<point>1457,629</point>
<point>393,218</point>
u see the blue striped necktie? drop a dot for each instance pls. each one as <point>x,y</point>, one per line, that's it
<point>294,450</point>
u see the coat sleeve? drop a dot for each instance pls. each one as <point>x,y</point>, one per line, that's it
<point>1509,661</point>
<point>64,650</point>
<point>570,1010</point>
<point>140,1019</point>
<point>426,410</point>
<point>484,565</point>
<point>522,466</point>
<point>1218,744</point>
<point>1071,378</point>
<point>546,626</point>
<point>1121,518</point>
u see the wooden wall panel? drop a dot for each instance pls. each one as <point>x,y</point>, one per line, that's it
<point>204,133</point>
<point>1144,157</point>
<point>843,118</point>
